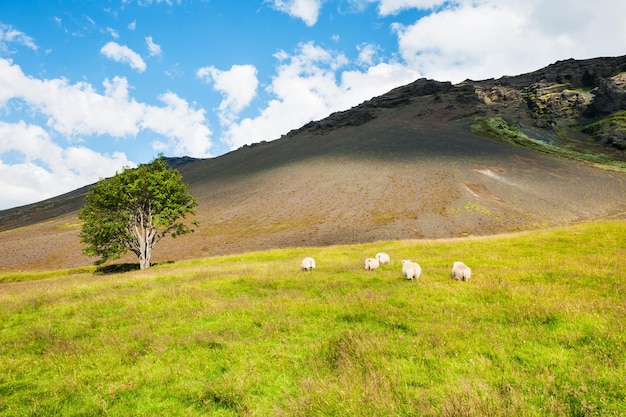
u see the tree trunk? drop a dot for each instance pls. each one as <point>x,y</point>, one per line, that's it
<point>144,233</point>
<point>144,240</point>
<point>144,263</point>
<point>146,247</point>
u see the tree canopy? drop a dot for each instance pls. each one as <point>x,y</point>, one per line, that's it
<point>134,210</point>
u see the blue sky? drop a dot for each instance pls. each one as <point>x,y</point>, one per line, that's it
<point>89,87</point>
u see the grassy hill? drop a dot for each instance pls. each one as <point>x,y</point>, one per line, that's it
<point>537,331</point>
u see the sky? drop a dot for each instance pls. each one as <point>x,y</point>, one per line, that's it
<point>89,87</point>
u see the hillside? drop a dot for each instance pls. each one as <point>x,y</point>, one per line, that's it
<point>427,160</point>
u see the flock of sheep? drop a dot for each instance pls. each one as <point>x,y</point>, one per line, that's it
<point>411,270</point>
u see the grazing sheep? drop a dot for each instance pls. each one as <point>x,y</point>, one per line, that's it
<point>461,272</point>
<point>411,270</point>
<point>405,263</point>
<point>371,264</point>
<point>383,258</point>
<point>308,264</point>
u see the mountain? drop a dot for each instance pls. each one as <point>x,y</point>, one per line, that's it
<point>426,160</point>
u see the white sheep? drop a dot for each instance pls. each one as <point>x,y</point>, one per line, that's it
<point>371,264</point>
<point>411,270</point>
<point>405,263</point>
<point>461,272</point>
<point>308,264</point>
<point>383,258</point>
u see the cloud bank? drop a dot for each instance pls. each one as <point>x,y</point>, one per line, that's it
<point>43,168</point>
<point>112,112</point>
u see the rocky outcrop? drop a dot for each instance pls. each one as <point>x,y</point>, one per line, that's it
<point>565,98</point>
<point>369,109</point>
<point>586,98</point>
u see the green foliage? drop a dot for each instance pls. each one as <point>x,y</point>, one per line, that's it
<point>133,210</point>
<point>537,331</point>
<point>612,123</point>
<point>499,129</point>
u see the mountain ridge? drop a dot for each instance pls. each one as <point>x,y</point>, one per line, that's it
<point>426,160</point>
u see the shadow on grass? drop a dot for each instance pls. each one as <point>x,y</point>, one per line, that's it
<point>116,268</point>
<point>122,268</point>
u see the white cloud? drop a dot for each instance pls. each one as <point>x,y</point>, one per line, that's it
<point>45,169</point>
<point>33,163</point>
<point>8,35</point>
<point>480,39</point>
<point>238,86</point>
<point>389,7</point>
<point>111,113</point>
<point>113,33</point>
<point>184,126</point>
<point>153,48</point>
<point>132,25</point>
<point>149,2</point>
<point>589,29</point>
<point>368,54</point>
<point>306,88</point>
<point>307,10</point>
<point>123,54</point>
<point>174,71</point>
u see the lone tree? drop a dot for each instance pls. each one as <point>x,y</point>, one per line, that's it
<point>134,210</point>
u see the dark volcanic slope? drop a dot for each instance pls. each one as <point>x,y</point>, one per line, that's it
<point>401,166</point>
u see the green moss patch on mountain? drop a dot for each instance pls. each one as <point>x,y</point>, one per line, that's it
<point>610,129</point>
<point>498,128</point>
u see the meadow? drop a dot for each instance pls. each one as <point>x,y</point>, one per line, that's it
<point>539,330</point>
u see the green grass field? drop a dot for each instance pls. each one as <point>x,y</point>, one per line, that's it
<point>539,330</point>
